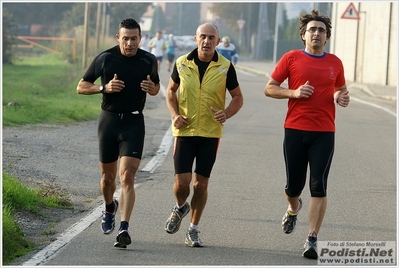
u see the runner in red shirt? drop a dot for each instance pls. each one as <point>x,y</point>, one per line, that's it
<point>316,83</point>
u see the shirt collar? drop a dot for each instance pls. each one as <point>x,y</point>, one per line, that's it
<point>194,54</point>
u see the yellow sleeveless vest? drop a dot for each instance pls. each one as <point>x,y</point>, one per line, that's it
<point>195,99</point>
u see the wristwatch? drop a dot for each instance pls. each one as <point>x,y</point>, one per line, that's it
<point>102,87</point>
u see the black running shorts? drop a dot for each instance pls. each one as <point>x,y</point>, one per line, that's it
<point>203,150</point>
<point>303,148</point>
<point>120,135</point>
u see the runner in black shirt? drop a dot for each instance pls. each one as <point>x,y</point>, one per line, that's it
<point>127,75</point>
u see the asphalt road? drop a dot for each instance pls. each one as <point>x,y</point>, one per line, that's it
<point>241,224</point>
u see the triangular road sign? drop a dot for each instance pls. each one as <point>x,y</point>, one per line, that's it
<point>351,13</point>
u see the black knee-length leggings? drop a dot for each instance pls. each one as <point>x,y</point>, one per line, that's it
<point>306,147</point>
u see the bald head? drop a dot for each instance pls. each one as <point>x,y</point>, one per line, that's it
<point>207,38</point>
<point>208,26</point>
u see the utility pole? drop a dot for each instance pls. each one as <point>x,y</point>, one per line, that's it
<point>180,17</point>
<point>103,21</point>
<point>98,27</point>
<point>86,35</point>
<point>263,31</point>
<point>259,33</point>
<point>108,10</point>
<point>240,24</point>
<point>276,32</point>
<point>248,31</point>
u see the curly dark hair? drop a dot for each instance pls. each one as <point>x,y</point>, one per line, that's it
<point>315,15</point>
<point>129,24</point>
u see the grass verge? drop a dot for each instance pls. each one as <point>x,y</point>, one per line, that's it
<point>17,197</point>
<point>43,90</point>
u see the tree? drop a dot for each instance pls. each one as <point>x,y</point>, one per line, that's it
<point>75,17</point>
<point>121,11</point>
<point>190,23</point>
<point>66,16</point>
<point>158,20</point>
<point>178,23</point>
<point>37,13</point>
<point>118,12</point>
<point>8,25</point>
<point>291,32</point>
<point>229,14</point>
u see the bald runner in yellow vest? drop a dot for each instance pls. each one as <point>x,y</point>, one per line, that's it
<point>195,98</point>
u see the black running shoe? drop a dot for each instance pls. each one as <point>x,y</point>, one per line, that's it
<point>289,221</point>
<point>310,247</point>
<point>119,245</point>
<point>108,221</point>
<point>122,239</point>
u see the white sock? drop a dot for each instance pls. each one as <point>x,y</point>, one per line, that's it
<point>193,226</point>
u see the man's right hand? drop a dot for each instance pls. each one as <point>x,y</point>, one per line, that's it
<point>114,85</point>
<point>180,121</point>
<point>304,91</point>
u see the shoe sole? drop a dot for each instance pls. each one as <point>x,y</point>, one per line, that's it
<point>310,253</point>
<point>124,238</point>
<point>119,245</point>
<point>175,231</point>
<point>193,245</point>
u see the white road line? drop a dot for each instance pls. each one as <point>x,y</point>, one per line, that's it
<point>51,250</point>
<point>161,154</point>
<point>374,105</point>
<point>162,88</point>
<point>245,72</point>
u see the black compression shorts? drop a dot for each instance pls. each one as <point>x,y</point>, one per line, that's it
<point>120,135</point>
<point>302,148</point>
<point>203,150</point>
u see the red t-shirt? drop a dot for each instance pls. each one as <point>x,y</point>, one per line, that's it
<point>326,74</point>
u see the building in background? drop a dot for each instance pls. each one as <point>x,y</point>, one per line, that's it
<point>364,37</point>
